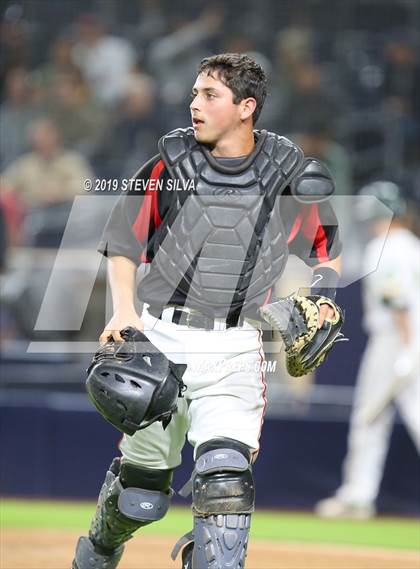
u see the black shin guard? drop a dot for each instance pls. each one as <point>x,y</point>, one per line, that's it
<point>223,500</point>
<point>130,498</point>
<point>122,510</point>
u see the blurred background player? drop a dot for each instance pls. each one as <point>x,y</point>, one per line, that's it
<point>389,373</point>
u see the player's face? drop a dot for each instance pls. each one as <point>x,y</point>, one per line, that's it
<point>213,112</point>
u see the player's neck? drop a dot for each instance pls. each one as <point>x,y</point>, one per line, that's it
<point>235,144</point>
<point>397,225</point>
<point>382,226</point>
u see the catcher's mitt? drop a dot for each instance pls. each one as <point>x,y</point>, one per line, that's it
<point>296,318</point>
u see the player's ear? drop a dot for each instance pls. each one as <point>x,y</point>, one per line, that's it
<point>247,107</point>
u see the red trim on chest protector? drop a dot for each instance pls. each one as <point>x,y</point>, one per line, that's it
<point>295,228</point>
<point>149,209</point>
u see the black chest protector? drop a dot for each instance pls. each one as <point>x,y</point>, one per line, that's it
<point>222,243</point>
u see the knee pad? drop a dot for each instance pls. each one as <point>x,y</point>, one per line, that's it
<point>122,510</point>
<point>223,499</point>
<point>133,476</point>
<point>222,482</point>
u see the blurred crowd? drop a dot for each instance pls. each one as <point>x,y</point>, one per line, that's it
<point>87,88</point>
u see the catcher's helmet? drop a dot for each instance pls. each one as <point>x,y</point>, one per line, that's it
<point>133,384</point>
<point>386,193</point>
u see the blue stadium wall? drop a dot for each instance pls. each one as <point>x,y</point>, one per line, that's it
<point>49,452</point>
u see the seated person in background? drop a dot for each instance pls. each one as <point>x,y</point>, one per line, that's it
<point>49,174</point>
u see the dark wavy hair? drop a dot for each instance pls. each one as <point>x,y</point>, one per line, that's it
<point>244,77</point>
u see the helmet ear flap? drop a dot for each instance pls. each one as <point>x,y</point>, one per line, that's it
<point>132,384</point>
<point>166,420</point>
<point>178,369</point>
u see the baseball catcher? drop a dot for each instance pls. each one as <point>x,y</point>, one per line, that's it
<point>215,250</point>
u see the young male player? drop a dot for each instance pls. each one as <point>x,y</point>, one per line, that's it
<point>214,254</point>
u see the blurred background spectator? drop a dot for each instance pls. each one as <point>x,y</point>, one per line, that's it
<point>14,41</point>
<point>173,58</point>
<point>308,98</point>
<point>105,60</point>
<point>316,139</point>
<point>40,186</point>
<point>130,136</point>
<point>78,117</point>
<point>17,110</point>
<point>48,174</point>
<point>402,91</point>
<point>59,62</point>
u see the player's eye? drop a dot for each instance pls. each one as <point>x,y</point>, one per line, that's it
<point>193,95</point>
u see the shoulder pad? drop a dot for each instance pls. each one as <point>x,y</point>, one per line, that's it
<point>175,144</point>
<point>313,183</point>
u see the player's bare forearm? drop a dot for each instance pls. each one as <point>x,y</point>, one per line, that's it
<point>326,312</point>
<point>122,278</point>
<point>406,363</point>
<point>402,322</point>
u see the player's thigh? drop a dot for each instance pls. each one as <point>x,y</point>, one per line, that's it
<point>376,369</point>
<point>408,406</point>
<point>155,447</point>
<point>236,413</point>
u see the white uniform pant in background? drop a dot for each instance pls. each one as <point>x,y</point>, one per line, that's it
<point>369,439</point>
<point>225,394</point>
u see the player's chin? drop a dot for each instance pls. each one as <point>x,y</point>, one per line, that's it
<point>202,136</point>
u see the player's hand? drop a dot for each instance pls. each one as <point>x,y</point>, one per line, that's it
<point>120,320</point>
<point>325,313</point>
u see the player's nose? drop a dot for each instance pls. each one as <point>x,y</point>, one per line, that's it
<point>194,105</point>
